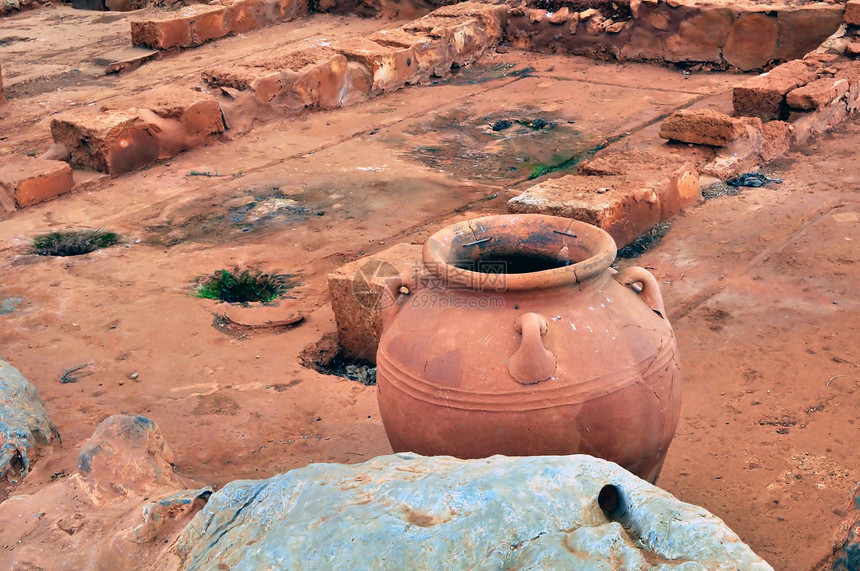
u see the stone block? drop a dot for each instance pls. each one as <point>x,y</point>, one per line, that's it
<point>109,141</point>
<point>207,23</point>
<point>25,181</point>
<point>431,54</point>
<point>803,28</point>
<point>492,17</point>
<point>852,13</point>
<point>705,127</point>
<point>778,137</point>
<point>671,175</point>
<point>275,11</point>
<point>763,96</point>
<point>466,37</point>
<point>360,291</point>
<point>752,41</point>
<point>816,94</point>
<point>624,207</point>
<point>245,15</point>
<point>391,67</point>
<point>162,32</point>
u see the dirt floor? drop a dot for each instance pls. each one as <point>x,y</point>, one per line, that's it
<point>760,286</point>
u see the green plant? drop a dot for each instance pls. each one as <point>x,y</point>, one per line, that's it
<point>73,242</point>
<point>244,286</point>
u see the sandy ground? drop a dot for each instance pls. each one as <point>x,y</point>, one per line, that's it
<point>759,286</point>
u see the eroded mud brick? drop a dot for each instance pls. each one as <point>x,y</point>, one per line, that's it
<point>852,13</point>
<point>464,37</point>
<point>700,36</point>
<point>803,28</point>
<point>360,291</point>
<point>110,141</point>
<point>162,32</point>
<point>778,137</point>
<point>492,17</point>
<point>816,94</point>
<point>752,41</point>
<point>704,127</point>
<point>284,10</point>
<point>431,54</point>
<point>391,67</point>
<point>25,181</point>
<point>763,96</point>
<point>623,207</point>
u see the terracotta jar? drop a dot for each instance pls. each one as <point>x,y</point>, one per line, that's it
<point>523,341</point>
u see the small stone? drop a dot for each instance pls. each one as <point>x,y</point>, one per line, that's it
<point>133,376</point>
<point>560,17</point>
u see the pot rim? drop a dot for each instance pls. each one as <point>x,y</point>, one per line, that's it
<point>552,235</point>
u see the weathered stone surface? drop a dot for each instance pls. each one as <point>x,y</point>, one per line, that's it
<point>852,13</point>
<point>25,428</point>
<point>245,15</point>
<point>492,17</point>
<point>127,454</point>
<point>410,512</point>
<point>700,36</point>
<point>846,544</point>
<point>108,141</point>
<point>763,96</point>
<point>623,207</point>
<point>752,41</point>
<point>816,94</point>
<point>359,293</point>
<point>297,78</point>
<point>391,67</point>
<point>431,54</point>
<point>803,28</point>
<point>2,93</point>
<point>705,127</point>
<point>25,181</point>
<point>560,16</point>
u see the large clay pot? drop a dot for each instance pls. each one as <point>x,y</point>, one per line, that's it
<point>523,341</point>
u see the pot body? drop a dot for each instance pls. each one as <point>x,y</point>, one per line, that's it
<point>583,367</point>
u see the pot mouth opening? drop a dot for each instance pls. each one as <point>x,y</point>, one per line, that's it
<point>518,252</point>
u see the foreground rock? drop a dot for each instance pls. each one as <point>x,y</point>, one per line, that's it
<point>411,512</point>
<point>120,510</point>
<point>25,428</point>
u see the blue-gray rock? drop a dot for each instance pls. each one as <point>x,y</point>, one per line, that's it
<point>24,424</point>
<point>411,512</point>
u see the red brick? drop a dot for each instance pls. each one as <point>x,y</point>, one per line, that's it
<point>114,142</point>
<point>25,181</point>
<point>816,94</point>
<point>162,33</point>
<point>391,67</point>
<point>763,96</point>
<point>705,127</point>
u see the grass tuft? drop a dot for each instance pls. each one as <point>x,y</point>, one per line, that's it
<point>245,286</point>
<point>73,242</point>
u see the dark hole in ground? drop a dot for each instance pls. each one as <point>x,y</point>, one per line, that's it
<point>512,264</point>
<point>73,242</point>
<point>645,242</point>
<point>327,357</point>
<point>612,503</point>
<point>242,286</point>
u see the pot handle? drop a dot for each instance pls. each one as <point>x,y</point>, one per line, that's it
<point>650,292</point>
<point>391,300</point>
<point>532,362</point>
